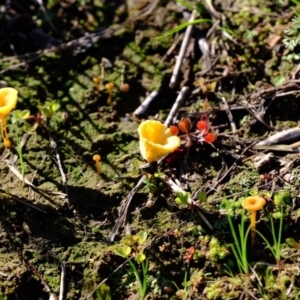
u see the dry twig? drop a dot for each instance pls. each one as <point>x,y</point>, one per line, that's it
<point>178,103</point>
<point>182,51</point>
<point>60,167</point>
<point>144,106</point>
<point>62,281</point>
<point>178,189</point>
<point>43,8</point>
<point>257,115</point>
<point>27,182</point>
<point>230,117</point>
<point>122,219</point>
<point>233,166</point>
<point>281,137</point>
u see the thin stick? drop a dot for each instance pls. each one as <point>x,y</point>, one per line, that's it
<point>3,274</point>
<point>124,209</point>
<point>255,115</point>
<point>21,201</point>
<point>43,8</point>
<point>60,167</point>
<point>62,281</point>
<point>282,147</point>
<point>209,6</point>
<point>144,106</point>
<point>171,49</point>
<point>39,190</point>
<point>229,115</point>
<point>230,118</point>
<point>190,201</point>
<point>178,103</point>
<point>281,137</point>
<point>182,51</point>
<point>233,166</point>
<point>18,174</point>
<point>104,280</point>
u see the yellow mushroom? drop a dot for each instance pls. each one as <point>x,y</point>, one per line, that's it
<point>109,87</point>
<point>97,159</point>
<point>156,140</point>
<point>8,101</point>
<point>96,81</point>
<point>253,204</point>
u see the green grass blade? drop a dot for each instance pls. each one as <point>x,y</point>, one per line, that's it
<point>182,26</point>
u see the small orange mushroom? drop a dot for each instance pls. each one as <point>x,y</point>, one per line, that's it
<point>97,159</point>
<point>253,204</point>
<point>97,81</point>
<point>8,101</point>
<point>109,87</point>
<point>124,87</point>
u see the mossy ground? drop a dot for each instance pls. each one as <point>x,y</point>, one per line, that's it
<point>35,240</point>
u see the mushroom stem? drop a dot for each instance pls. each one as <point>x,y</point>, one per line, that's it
<point>98,168</point>
<point>6,140</point>
<point>109,98</point>
<point>252,226</point>
<point>96,81</point>
<point>97,159</point>
<point>109,87</point>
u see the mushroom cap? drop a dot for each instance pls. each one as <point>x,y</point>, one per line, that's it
<point>96,157</point>
<point>254,203</point>
<point>96,80</point>
<point>109,85</point>
<point>8,101</point>
<point>156,140</point>
<point>124,87</point>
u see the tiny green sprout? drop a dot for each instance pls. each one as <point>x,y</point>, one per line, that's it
<point>150,185</point>
<point>292,243</point>
<point>49,108</point>
<point>20,115</point>
<point>96,229</point>
<point>277,215</point>
<point>202,197</point>
<point>142,237</point>
<point>23,115</point>
<point>124,251</point>
<point>213,290</point>
<point>103,292</point>
<point>182,198</point>
<point>140,257</point>
<point>282,198</point>
<point>216,250</point>
<point>127,240</point>
<point>134,240</point>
